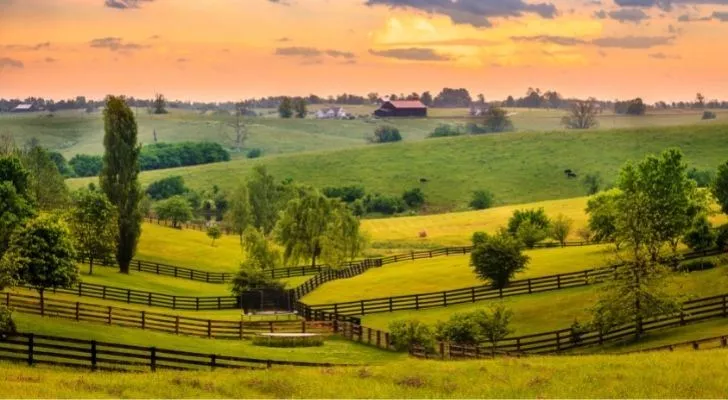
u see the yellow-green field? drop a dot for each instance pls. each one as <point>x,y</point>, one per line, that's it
<point>450,272</point>
<point>654,375</point>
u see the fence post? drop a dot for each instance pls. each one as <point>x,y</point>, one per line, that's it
<point>144,319</point>
<point>109,315</point>
<point>529,287</point>
<point>413,255</point>
<point>444,299</point>
<point>128,296</point>
<point>417,302</point>
<point>78,307</point>
<point>558,340</point>
<point>93,355</point>
<point>500,292</point>
<point>139,266</point>
<point>7,299</point>
<point>209,328</point>
<point>157,269</point>
<point>153,359</point>
<point>362,307</point>
<point>723,341</point>
<point>213,361</point>
<point>80,289</point>
<point>386,339</point>
<point>558,281</point>
<point>197,303</point>
<point>176,324</point>
<point>725,309</point>
<point>447,251</point>
<point>696,345</point>
<point>303,326</point>
<point>149,299</point>
<point>379,338</point>
<point>207,277</point>
<point>240,327</point>
<point>270,326</point>
<point>31,346</point>
<point>472,293</point>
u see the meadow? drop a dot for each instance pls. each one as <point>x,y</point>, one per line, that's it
<point>515,167</point>
<point>681,374</point>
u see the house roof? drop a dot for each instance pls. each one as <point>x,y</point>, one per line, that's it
<point>407,104</point>
<point>23,107</point>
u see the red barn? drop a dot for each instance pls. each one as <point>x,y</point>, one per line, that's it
<point>401,108</point>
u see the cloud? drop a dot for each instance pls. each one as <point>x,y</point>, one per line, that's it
<point>183,60</point>
<point>115,44</point>
<point>281,2</point>
<point>340,54</point>
<point>312,52</point>
<point>667,5</point>
<point>6,62</point>
<point>448,42</point>
<point>412,54</point>
<point>663,56</point>
<point>623,15</point>
<point>560,40</point>
<point>472,12</point>
<point>625,42</point>
<point>50,60</point>
<point>283,39</point>
<point>25,47</point>
<point>721,16</point>
<point>124,4</point>
<point>691,18</point>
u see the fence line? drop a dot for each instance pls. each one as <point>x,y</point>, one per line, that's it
<point>719,341</point>
<point>473,294</point>
<point>42,349</point>
<point>130,318</point>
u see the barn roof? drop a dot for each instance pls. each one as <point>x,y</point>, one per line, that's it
<point>23,107</point>
<point>407,104</point>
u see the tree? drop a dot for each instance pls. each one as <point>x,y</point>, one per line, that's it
<point>405,334</point>
<point>299,106</point>
<point>252,277</point>
<point>536,216</point>
<point>240,213</point>
<point>700,100</point>
<point>449,97</point>
<point>159,104</point>
<point>176,209</point>
<point>238,124</point>
<point>45,183</point>
<point>258,248</point>
<point>92,221</point>
<point>720,187</point>
<point>530,233</point>
<point>602,211</point>
<point>497,120</point>
<point>214,233</point>
<point>16,207</point>
<point>632,107</point>
<point>701,236</point>
<point>285,109</point>
<point>498,258</point>
<point>263,194</point>
<point>426,98</point>
<point>481,199</point>
<point>61,164</point>
<point>386,134</point>
<point>583,115</point>
<point>414,198</point>
<point>119,177</point>
<point>85,165</point>
<point>44,255</point>
<point>166,188</point>
<point>494,325</point>
<point>592,182</point>
<point>460,328</point>
<point>561,227</point>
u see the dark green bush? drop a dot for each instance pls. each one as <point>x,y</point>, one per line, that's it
<point>537,217</point>
<point>347,194</point>
<point>7,325</point>
<point>85,165</point>
<point>460,328</point>
<point>305,341</point>
<point>698,265</point>
<point>721,240</point>
<point>386,134</point>
<point>404,334</point>
<point>170,155</point>
<point>701,235</point>
<point>255,153</point>
<point>384,204</point>
<point>709,115</point>
<point>445,130</point>
<point>481,200</point>
<point>414,198</point>
<point>166,188</point>
<point>704,178</point>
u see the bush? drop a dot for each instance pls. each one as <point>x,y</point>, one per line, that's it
<point>460,328</point>
<point>704,178</point>
<point>536,216</point>
<point>176,209</point>
<point>701,235</point>
<point>166,188</point>
<point>252,277</point>
<point>529,233</point>
<point>414,198</point>
<point>404,334</point>
<point>481,200</point>
<point>709,115</point>
<point>497,120</point>
<point>85,165</point>
<point>384,204</point>
<point>475,129</point>
<point>214,233</point>
<point>445,130</point>
<point>698,265</point>
<point>7,325</point>
<point>305,341</point>
<point>721,240</point>
<point>171,155</point>
<point>593,183</point>
<point>497,258</point>
<point>254,153</point>
<point>347,194</point>
<point>61,164</point>
<point>386,134</point>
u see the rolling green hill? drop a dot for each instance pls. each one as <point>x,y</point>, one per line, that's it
<point>516,167</point>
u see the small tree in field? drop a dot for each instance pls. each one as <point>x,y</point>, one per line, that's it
<point>701,236</point>
<point>404,334</point>
<point>285,109</point>
<point>299,106</point>
<point>176,209</point>
<point>497,258</point>
<point>386,134</point>
<point>560,228</point>
<point>159,105</point>
<point>258,248</point>
<point>494,325</point>
<point>240,213</point>
<point>720,187</point>
<point>214,233</point>
<point>44,255</point>
<point>93,225</point>
<point>497,120</point>
<point>583,115</point>
<point>481,200</point>
<point>602,211</point>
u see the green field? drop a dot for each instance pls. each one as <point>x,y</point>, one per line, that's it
<point>516,167</point>
<point>655,375</point>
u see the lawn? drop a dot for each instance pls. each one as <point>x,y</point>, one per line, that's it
<point>653,375</point>
<point>548,311</point>
<point>449,272</point>
<point>515,167</point>
<point>334,350</point>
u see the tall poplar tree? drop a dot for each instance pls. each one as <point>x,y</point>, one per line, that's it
<point>119,176</point>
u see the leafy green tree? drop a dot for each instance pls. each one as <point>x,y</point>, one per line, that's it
<point>497,120</point>
<point>720,187</point>
<point>405,334</point>
<point>44,255</point>
<point>45,184</point>
<point>119,177</point>
<point>460,328</point>
<point>63,167</point>
<point>561,227</point>
<point>386,134</point>
<point>529,233</point>
<point>414,198</point>
<point>252,277</point>
<point>166,188</point>
<point>494,325</point>
<point>15,205</point>
<point>701,236</point>
<point>159,105</point>
<point>530,226</point>
<point>481,200</point>
<point>602,211</point>
<point>265,199</point>
<point>175,209</point>
<point>299,107</point>
<point>593,183</point>
<point>86,165</point>
<point>214,233</point>
<point>92,221</point>
<point>240,214</point>
<point>497,258</point>
<point>285,109</point>
<point>703,178</point>
<point>258,248</point>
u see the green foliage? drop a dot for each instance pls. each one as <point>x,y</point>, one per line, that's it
<point>172,155</point>
<point>258,248</point>
<point>175,209</point>
<point>494,325</point>
<point>61,164</point>
<point>404,334</point>
<point>239,215</point>
<point>561,227</point>
<point>721,240</point>
<point>159,104</point>
<point>386,205</point>
<point>306,341</point>
<point>347,194</point>
<point>86,165</point>
<point>481,200</point>
<point>699,265</point>
<point>265,199</point>
<point>252,277</point>
<point>44,255</point>
<point>529,233</point>
<point>414,198</point>
<point>602,211</point>
<point>7,325</point>
<point>582,115</point>
<point>93,225</point>
<point>460,328</point>
<point>709,115</point>
<point>214,232</point>
<point>299,107</point>
<point>497,120</point>
<point>537,217</point>
<point>119,177</point>
<point>631,107</point>
<point>45,183</point>
<point>701,235</point>
<point>592,182</point>
<point>254,153</point>
<point>498,258</point>
<point>703,178</point>
<point>386,134</point>
<point>15,205</point>
<point>166,188</point>
<point>285,109</point>
<point>446,130</point>
<point>720,187</point>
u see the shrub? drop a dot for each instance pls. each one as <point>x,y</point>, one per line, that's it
<point>497,258</point>
<point>460,328</point>
<point>414,198</point>
<point>698,265</point>
<point>497,120</point>
<point>7,325</point>
<point>304,341</point>
<point>475,129</point>
<point>347,194</point>
<point>529,233</point>
<point>703,178</point>
<point>560,228</point>
<point>175,209</point>
<point>252,277</point>
<point>170,155</point>
<point>536,216</point>
<point>404,334</point>
<point>494,325</point>
<point>593,183</point>
<point>384,204</point>
<point>709,115</point>
<point>386,134</point>
<point>214,233</point>
<point>481,199</point>
<point>701,235</point>
<point>254,153</point>
<point>85,165</point>
<point>721,240</point>
<point>577,330</point>
<point>445,130</point>
<point>166,188</point>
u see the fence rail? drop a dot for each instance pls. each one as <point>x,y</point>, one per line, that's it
<point>207,328</point>
<point>42,349</point>
<point>713,342</point>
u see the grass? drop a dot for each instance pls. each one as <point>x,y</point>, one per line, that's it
<point>516,167</point>
<point>653,375</point>
<point>334,350</point>
<point>447,273</point>
<point>548,311</point>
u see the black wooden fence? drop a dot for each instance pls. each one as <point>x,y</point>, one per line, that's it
<point>207,328</point>
<point>42,349</point>
<point>702,344</point>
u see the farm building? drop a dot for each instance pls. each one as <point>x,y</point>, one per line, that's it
<point>402,108</point>
<point>24,108</point>
<point>331,113</point>
<point>479,111</point>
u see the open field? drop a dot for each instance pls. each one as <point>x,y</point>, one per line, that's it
<point>516,167</point>
<point>449,272</point>
<point>548,311</point>
<point>654,375</point>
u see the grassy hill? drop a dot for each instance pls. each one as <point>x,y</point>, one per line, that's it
<point>653,375</point>
<point>516,167</point>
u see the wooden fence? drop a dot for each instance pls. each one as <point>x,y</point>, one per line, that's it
<point>130,318</point>
<point>702,344</point>
<point>41,349</point>
<point>473,294</point>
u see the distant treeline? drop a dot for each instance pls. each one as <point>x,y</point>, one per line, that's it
<point>155,156</point>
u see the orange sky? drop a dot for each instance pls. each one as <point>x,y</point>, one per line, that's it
<point>232,49</point>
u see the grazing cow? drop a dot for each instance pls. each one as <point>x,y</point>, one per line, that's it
<point>571,175</point>
<point>424,180</point>
<point>423,234</point>
<point>567,172</point>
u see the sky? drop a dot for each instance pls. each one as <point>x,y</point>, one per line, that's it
<point>217,50</point>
